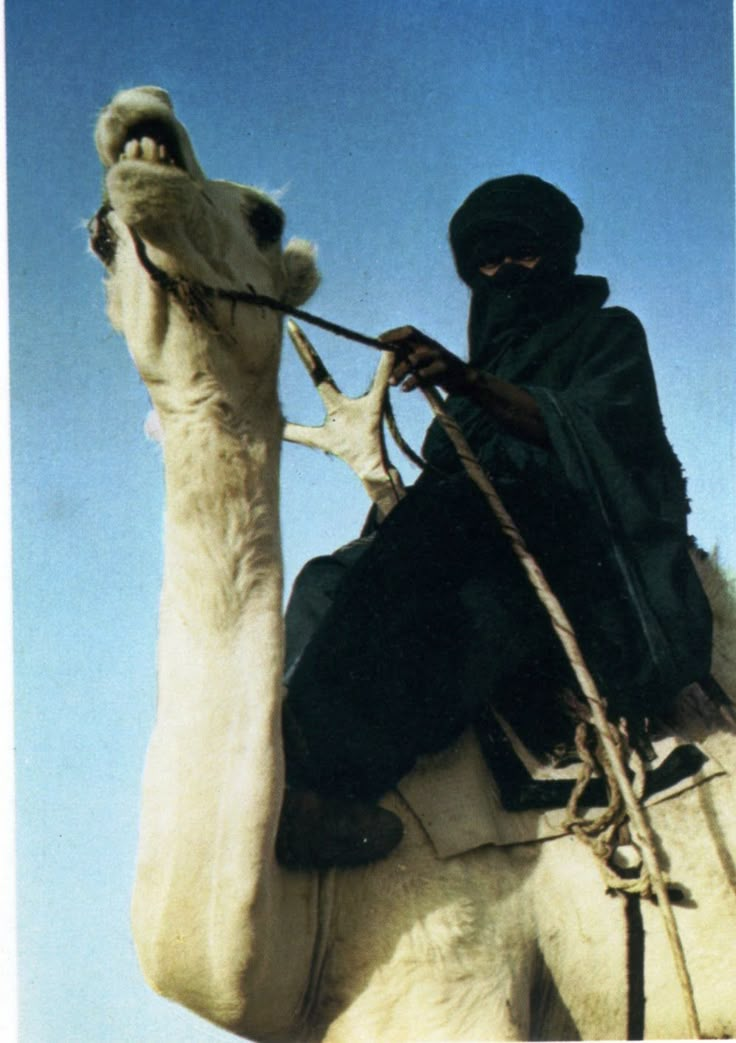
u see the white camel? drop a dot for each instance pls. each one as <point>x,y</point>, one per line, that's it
<point>451,938</point>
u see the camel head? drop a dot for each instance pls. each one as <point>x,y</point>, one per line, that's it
<point>195,230</point>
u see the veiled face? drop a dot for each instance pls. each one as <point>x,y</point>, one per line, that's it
<point>491,267</point>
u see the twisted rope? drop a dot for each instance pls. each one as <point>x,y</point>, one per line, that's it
<point>600,834</point>
<point>397,436</point>
<point>608,736</point>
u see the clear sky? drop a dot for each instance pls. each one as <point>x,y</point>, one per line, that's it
<point>375,119</point>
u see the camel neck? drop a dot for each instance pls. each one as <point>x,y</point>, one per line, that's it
<point>223,550</point>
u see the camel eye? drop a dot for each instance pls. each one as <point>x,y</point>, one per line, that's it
<point>267,223</point>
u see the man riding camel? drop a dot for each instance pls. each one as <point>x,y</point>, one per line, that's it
<point>398,642</point>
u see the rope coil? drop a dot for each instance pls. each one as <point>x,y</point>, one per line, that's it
<point>607,733</point>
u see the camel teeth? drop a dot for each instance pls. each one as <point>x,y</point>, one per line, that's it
<point>132,149</point>
<point>149,149</point>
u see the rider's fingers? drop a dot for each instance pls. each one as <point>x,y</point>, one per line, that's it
<point>431,373</point>
<point>400,335</point>
<point>417,360</point>
<point>400,370</point>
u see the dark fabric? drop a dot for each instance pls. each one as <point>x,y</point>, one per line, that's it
<point>508,309</point>
<point>606,510</point>
<point>434,616</point>
<point>431,619</point>
<point>490,219</point>
<point>312,596</point>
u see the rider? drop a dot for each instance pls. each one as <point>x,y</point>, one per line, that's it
<point>397,642</point>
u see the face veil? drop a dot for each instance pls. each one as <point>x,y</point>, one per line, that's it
<point>511,305</point>
<point>516,216</point>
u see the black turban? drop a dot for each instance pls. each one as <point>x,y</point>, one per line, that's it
<point>499,214</point>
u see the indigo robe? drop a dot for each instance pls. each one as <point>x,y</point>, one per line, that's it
<point>418,627</point>
<point>605,510</point>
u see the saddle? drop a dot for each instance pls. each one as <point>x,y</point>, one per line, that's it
<point>520,790</point>
<point>533,733</point>
<point>490,787</point>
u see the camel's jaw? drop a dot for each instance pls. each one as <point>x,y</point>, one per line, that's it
<point>153,180</point>
<point>149,178</point>
<point>152,171</point>
<point>140,125</point>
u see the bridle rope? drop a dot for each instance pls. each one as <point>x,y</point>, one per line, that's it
<point>194,296</point>
<point>191,289</point>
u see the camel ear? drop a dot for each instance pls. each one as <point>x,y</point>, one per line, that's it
<point>302,274</point>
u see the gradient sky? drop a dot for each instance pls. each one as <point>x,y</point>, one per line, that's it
<point>375,120</point>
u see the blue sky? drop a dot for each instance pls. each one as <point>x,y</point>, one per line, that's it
<point>375,120</point>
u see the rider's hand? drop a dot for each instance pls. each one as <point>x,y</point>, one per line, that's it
<point>421,361</point>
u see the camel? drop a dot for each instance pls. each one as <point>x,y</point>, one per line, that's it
<point>450,938</point>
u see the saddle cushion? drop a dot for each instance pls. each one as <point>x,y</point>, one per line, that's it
<point>457,800</point>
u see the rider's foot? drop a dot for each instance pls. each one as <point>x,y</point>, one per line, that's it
<point>320,832</point>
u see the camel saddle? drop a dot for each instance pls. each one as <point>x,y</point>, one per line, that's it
<point>490,788</point>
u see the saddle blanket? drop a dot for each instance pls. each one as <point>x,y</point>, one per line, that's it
<point>457,800</point>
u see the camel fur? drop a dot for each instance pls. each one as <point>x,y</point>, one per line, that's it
<point>513,942</point>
